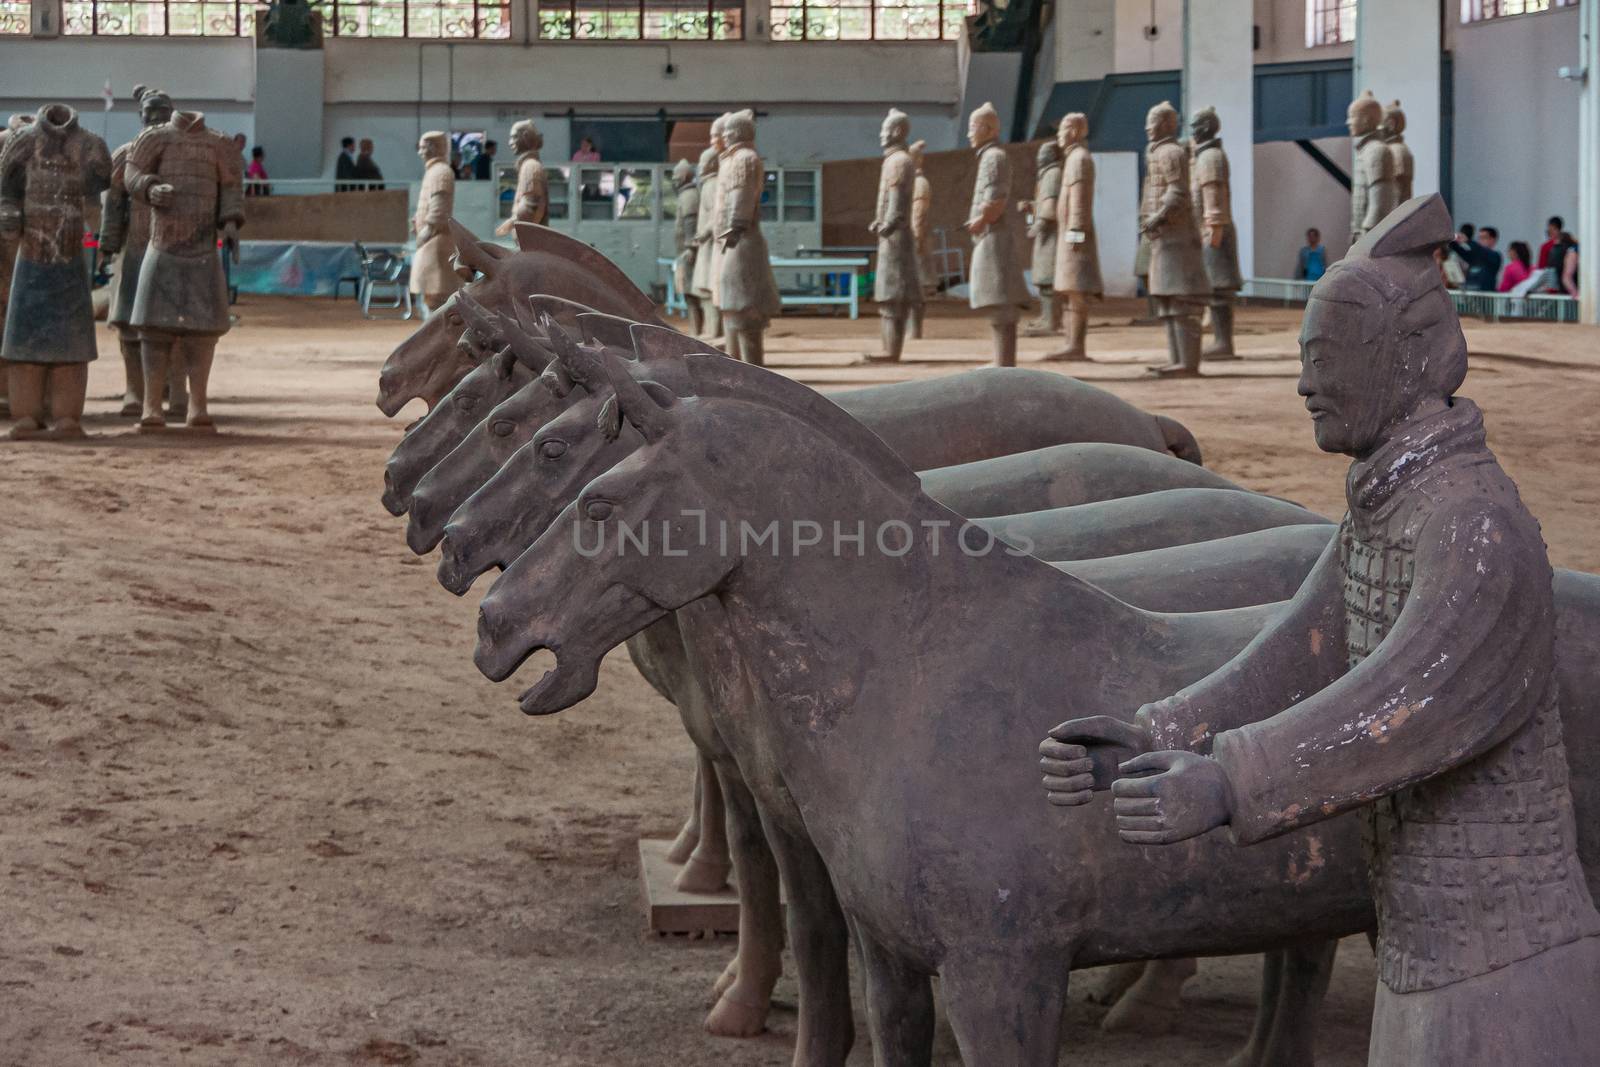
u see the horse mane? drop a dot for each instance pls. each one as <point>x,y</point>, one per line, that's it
<point>531,237</point>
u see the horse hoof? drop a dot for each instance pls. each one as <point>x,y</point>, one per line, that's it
<point>1135,1015</point>
<point>732,1018</point>
<point>682,847</point>
<point>1116,980</point>
<point>131,407</point>
<point>725,980</point>
<point>27,430</point>
<point>201,424</point>
<point>700,876</point>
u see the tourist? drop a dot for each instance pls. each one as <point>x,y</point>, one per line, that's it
<point>1552,234</point>
<point>256,174</point>
<point>367,168</point>
<point>1564,261</point>
<point>1313,258</point>
<point>586,153</point>
<point>483,165</point>
<point>1517,266</point>
<point>345,169</point>
<point>1482,261</point>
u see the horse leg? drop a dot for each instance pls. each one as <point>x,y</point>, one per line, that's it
<point>1006,1012</point>
<point>820,941</point>
<point>688,837</point>
<point>899,1007</point>
<point>1293,983</point>
<point>1153,1005</point>
<point>1117,980</point>
<point>708,866</point>
<point>744,993</point>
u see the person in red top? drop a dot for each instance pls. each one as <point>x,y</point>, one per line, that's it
<point>1517,268</point>
<point>1552,233</point>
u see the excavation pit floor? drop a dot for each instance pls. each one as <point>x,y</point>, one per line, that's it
<point>258,807</point>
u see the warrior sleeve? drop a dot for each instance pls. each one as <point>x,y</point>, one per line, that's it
<point>1077,193</point>
<point>688,218</point>
<point>921,204</point>
<point>1295,654</point>
<point>706,224</point>
<point>741,181</point>
<point>96,166</point>
<point>1044,205</point>
<point>1214,208</point>
<point>144,155</point>
<point>1466,663</point>
<point>116,208</point>
<point>897,201</point>
<point>993,186</point>
<point>436,212</point>
<point>1380,187</point>
<point>230,183</point>
<point>1166,168</point>
<point>13,180</point>
<point>531,192</point>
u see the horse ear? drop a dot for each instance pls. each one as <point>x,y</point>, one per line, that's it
<point>505,363</point>
<point>577,363</point>
<point>607,330</point>
<point>478,318</point>
<point>610,418</point>
<point>565,312</point>
<point>471,257</point>
<point>663,342</point>
<point>651,412</point>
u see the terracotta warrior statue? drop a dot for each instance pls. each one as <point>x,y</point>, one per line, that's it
<point>191,177</point>
<point>47,171</point>
<point>1373,190</point>
<point>1394,131</point>
<point>532,203</point>
<point>685,220</point>
<point>705,235</point>
<point>745,290</point>
<point>921,208</point>
<point>1077,268</point>
<point>8,258</point>
<point>432,277</point>
<point>997,286</point>
<point>1043,232</point>
<point>1178,282</point>
<point>125,229</point>
<point>1411,679</point>
<point>1212,193</point>
<point>898,284</point>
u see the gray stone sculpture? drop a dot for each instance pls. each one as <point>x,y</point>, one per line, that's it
<point>1373,189</point>
<point>704,237</point>
<point>746,292</point>
<point>8,258</point>
<point>1427,703</point>
<point>432,279</point>
<point>191,176</point>
<point>47,170</point>
<point>897,288</point>
<point>1077,269</point>
<point>532,200</point>
<point>921,223</point>
<point>124,234</point>
<point>1212,194</point>
<point>1043,232</point>
<point>1394,135</point>
<point>1178,281</point>
<point>685,219</point>
<point>997,286</point>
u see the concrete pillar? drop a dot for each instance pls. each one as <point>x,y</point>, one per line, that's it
<point>1397,56</point>
<point>1588,221</point>
<point>1086,40</point>
<point>288,116</point>
<point>1219,72</point>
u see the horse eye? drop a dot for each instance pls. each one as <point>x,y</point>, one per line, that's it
<point>552,449</point>
<point>502,427</point>
<point>598,510</point>
<point>453,318</point>
<point>466,403</point>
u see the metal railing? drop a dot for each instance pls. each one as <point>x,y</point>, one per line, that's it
<point>1491,307</point>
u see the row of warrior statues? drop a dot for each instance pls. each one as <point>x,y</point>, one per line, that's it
<point>168,196</point>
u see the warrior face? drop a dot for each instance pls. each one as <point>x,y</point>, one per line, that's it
<point>896,128</point>
<point>1073,129</point>
<point>1364,115</point>
<point>1204,126</point>
<point>155,108</point>
<point>1161,122</point>
<point>1335,372</point>
<point>983,127</point>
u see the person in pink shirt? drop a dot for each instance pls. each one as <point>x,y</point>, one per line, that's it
<point>1517,266</point>
<point>586,153</point>
<point>256,174</point>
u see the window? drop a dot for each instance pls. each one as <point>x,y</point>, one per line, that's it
<point>16,16</point>
<point>868,20</point>
<point>159,18</point>
<point>641,20</point>
<point>1484,10</point>
<point>1330,22</point>
<point>486,19</point>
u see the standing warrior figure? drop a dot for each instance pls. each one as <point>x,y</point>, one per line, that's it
<point>898,285</point>
<point>685,220</point>
<point>1373,190</point>
<point>1077,269</point>
<point>47,170</point>
<point>997,286</point>
<point>126,229</point>
<point>1178,281</point>
<point>746,291</point>
<point>1405,168</point>
<point>532,203</point>
<point>8,258</point>
<point>190,176</point>
<point>921,207</point>
<point>432,277</point>
<point>1212,193</point>
<point>705,234</point>
<point>1043,231</point>
<point>1411,679</point>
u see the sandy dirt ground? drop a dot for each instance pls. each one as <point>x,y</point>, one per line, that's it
<point>259,808</point>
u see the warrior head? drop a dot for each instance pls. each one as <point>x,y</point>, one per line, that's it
<point>434,144</point>
<point>739,127</point>
<point>1161,122</point>
<point>1364,115</point>
<point>155,106</point>
<point>918,149</point>
<point>1049,155</point>
<point>983,128</point>
<point>1074,129</point>
<point>708,162</point>
<point>1204,125</point>
<point>896,128</point>
<point>525,137</point>
<point>1394,121</point>
<point>1381,343</point>
<point>682,174</point>
<point>718,125</point>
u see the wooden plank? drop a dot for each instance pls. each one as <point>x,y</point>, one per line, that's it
<point>669,910</point>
